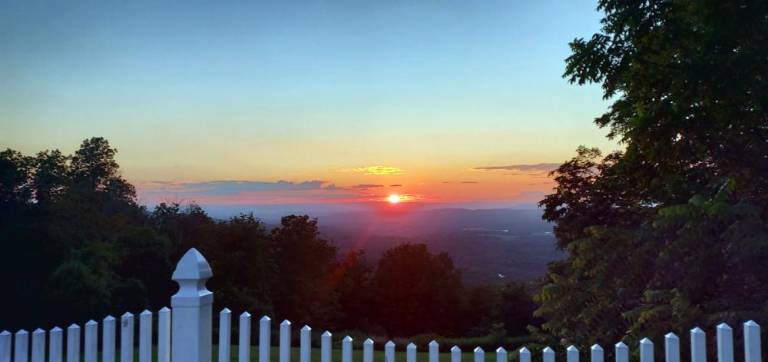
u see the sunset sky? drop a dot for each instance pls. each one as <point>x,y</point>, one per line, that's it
<point>322,102</point>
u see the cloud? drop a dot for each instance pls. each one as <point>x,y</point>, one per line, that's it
<point>396,185</point>
<point>366,186</point>
<point>377,170</point>
<point>530,168</point>
<point>461,182</point>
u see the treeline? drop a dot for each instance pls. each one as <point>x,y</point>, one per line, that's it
<point>76,245</point>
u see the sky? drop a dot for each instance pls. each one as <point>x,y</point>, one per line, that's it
<point>316,102</point>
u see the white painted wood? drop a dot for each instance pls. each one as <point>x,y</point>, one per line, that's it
<point>621,352</point>
<point>38,345</point>
<point>479,354</point>
<point>596,353</point>
<point>325,347</point>
<point>244,340</point>
<point>73,343</point>
<point>410,352</point>
<point>164,335</point>
<point>698,345</point>
<point>21,346</point>
<point>346,349</point>
<point>572,354</point>
<point>389,352</point>
<point>192,317</point>
<point>91,341</point>
<point>305,344</point>
<point>501,354</point>
<point>455,354</point>
<point>108,328</point>
<point>671,348</point>
<point>265,335</point>
<point>145,336</point>
<point>724,343</point>
<point>56,345</point>
<point>285,341</point>
<point>126,337</point>
<point>525,355</point>
<point>225,334</point>
<point>646,350</point>
<point>5,346</point>
<point>548,355</point>
<point>434,351</point>
<point>752,342</point>
<point>368,350</point>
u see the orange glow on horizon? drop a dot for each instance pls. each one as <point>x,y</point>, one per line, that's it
<point>393,198</point>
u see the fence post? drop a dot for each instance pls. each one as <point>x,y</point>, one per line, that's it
<point>724,343</point>
<point>325,347</point>
<point>501,354</point>
<point>752,342</point>
<point>410,352</point>
<point>285,341</point>
<point>38,345</point>
<point>698,345</point>
<point>126,337</point>
<point>192,305</point>
<point>91,341</point>
<point>434,351</point>
<point>671,348</point>
<point>55,345</point>
<point>548,355</point>
<point>145,336</point>
<point>244,340</point>
<point>225,334</point>
<point>455,354</point>
<point>346,349</point>
<point>368,350</point>
<point>164,335</point>
<point>646,350</point>
<point>305,344</point>
<point>265,336</point>
<point>572,354</point>
<point>5,346</point>
<point>622,352</point>
<point>108,339</point>
<point>21,346</point>
<point>525,355</point>
<point>389,352</point>
<point>596,353</point>
<point>73,343</point>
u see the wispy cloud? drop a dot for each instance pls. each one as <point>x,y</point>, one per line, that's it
<point>529,168</point>
<point>460,182</point>
<point>377,170</point>
<point>366,186</point>
<point>396,185</point>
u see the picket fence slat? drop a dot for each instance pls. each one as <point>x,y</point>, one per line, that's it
<point>145,336</point>
<point>5,346</point>
<point>671,348</point>
<point>368,350</point>
<point>225,336</point>
<point>455,354</point>
<point>285,341</point>
<point>346,349</point>
<point>126,337</point>
<point>389,351</point>
<point>525,355</point>
<point>164,335</point>
<point>479,354</point>
<point>305,344</point>
<point>698,345</point>
<point>91,341</point>
<point>501,354</point>
<point>56,345</point>
<point>325,347</point>
<point>244,340</point>
<point>724,343</point>
<point>38,345</point>
<point>108,339</point>
<point>434,351</point>
<point>73,343</point>
<point>410,352</point>
<point>572,354</point>
<point>752,342</point>
<point>646,350</point>
<point>21,346</point>
<point>596,353</point>
<point>548,354</point>
<point>621,352</point>
<point>264,338</point>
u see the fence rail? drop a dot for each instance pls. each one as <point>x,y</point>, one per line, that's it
<point>184,334</point>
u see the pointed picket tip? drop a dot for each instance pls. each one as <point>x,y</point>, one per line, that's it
<point>697,330</point>
<point>38,331</point>
<point>127,315</point>
<point>265,319</point>
<point>389,344</point>
<point>411,346</point>
<point>368,342</point>
<point>620,345</point>
<point>670,335</point>
<point>22,331</point>
<point>146,312</point>
<point>91,323</point>
<point>478,349</point>
<point>347,339</point>
<point>548,350</point>
<point>166,310</point>
<point>327,334</point>
<point>434,343</point>
<point>245,314</point>
<point>524,350</point>
<point>751,323</point>
<point>5,333</point>
<point>109,318</point>
<point>56,329</point>
<point>723,326</point>
<point>223,311</point>
<point>572,348</point>
<point>192,266</point>
<point>596,347</point>
<point>455,349</point>
<point>501,350</point>
<point>286,323</point>
<point>73,326</point>
<point>306,328</point>
<point>645,341</point>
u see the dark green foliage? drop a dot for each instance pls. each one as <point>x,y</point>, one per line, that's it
<point>671,232</point>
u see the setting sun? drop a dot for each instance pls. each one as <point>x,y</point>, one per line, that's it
<point>393,198</point>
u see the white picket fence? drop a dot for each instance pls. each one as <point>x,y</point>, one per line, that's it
<point>184,334</point>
